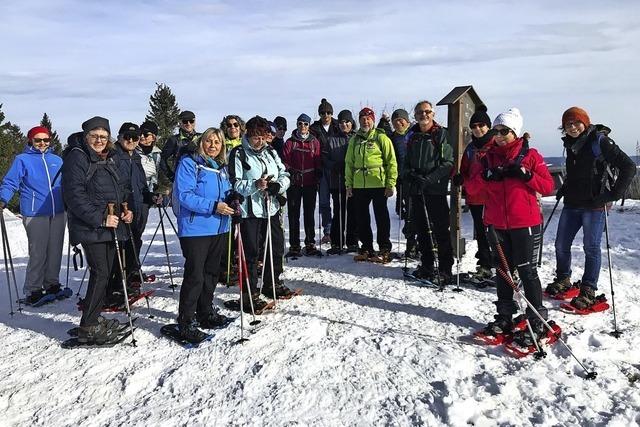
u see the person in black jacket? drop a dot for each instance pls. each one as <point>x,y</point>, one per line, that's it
<point>587,192</point>
<point>186,135</point>
<point>90,181</point>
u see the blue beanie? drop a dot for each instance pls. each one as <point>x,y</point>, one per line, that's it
<point>304,118</point>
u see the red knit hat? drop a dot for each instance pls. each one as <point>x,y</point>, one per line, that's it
<point>366,111</point>
<point>575,114</point>
<point>36,130</point>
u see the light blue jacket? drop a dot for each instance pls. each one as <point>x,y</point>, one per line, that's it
<point>198,186</point>
<point>245,169</point>
<point>32,173</point>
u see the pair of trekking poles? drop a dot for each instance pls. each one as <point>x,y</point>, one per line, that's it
<point>8,264</point>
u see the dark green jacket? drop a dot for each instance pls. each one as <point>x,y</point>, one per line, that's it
<point>429,156</point>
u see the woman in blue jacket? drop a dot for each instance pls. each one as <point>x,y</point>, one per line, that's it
<point>42,209</point>
<point>201,185</point>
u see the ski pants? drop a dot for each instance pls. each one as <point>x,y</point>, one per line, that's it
<point>362,197</point>
<point>437,208</point>
<point>592,223</point>
<point>480,234</point>
<point>343,215</point>
<point>201,269</point>
<point>324,203</point>
<point>100,257</point>
<point>45,235</point>
<point>307,197</point>
<point>520,247</point>
<point>252,230</point>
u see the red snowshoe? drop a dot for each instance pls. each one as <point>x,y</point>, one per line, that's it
<point>601,304</point>
<point>522,345</point>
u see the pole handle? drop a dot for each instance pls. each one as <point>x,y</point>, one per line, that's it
<point>125,207</point>
<point>111,208</point>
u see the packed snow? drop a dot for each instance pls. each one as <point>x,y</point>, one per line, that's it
<point>360,346</point>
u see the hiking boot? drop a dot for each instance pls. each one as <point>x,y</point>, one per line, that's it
<point>325,239</point>
<point>352,249</point>
<point>294,252</point>
<point>281,291</point>
<point>212,320</point>
<point>424,273</point>
<point>482,273</point>
<point>559,286</point>
<point>311,250</point>
<point>524,338</point>
<point>334,250</point>
<point>445,278</point>
<point>39,297</point>
<point>586,299</point>
<point>190,333</point>
<point>501,324</point>
<point>258,303</point>
<point>111,324</point>
<point>412,250</point>
<point>363,255</point>
<point>382,257</point>
<point>96,334</point>
<point>59,292</point>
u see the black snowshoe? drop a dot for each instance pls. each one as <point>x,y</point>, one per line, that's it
<point>185,334</point>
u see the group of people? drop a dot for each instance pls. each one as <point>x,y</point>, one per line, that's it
<point>230,185</point>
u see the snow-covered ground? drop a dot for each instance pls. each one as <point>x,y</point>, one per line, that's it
<point>359,347</point>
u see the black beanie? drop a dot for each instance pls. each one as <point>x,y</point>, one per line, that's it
<point>325,106</point>
<point>149,126</point>
<point>480,116</point>
<point>280,122</point>
<point>94,123</point>
<point>345,115</point>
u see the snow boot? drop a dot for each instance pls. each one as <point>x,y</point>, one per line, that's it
<point>382,257</point>
<point>325,239</point>
<point>59,292</point>
<point>311,250</point>
<point>412,250</point>
<point>352,248</point>
<point>586,299</point>
<point>294,252</point>
<point>99,334</point>
<point>190,333</point>
<point>282,292</point>
<point>424,274</point>
<point>560,287</point>
<point>39,297</point>
<point>482,273</point>
<point>363,255</point>
<point>497,331</point>
<point>334,250</point>
<point>213,320</point>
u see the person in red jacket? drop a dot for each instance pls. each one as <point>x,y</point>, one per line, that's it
<point>512,176</point>
<point>301,156</point>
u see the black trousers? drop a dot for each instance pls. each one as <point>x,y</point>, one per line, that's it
<point>520,247</point>
<point>362,197</point>
<point>343,213</point>
<point>252,230</point>
<point>201,267</point>
<point>438,210</point>
<point>100,257</point>
<point>480,234</point>
<point>307,197</point>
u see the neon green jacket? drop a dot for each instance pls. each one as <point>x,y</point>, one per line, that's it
<point>232,143</point>
<point>370,161</point>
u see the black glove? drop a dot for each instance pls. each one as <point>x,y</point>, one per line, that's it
<point>457,179</point>
<point>273,188</point>
<point>515,171</point>
<point>419,179</point>
<point>604,198</point>
<point>493,174</point>
<point>281,199</point>
<point>3,204</point>
<point>560,192</point>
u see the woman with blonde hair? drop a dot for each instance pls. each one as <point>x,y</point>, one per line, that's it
<point>203,218</point>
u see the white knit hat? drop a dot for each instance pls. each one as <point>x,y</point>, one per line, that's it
<point>511,119</point>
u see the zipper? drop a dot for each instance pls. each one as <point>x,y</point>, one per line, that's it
<point>33,201</point>
<point>53,203</point>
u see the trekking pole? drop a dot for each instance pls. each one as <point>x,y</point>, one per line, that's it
<point>125,209</point>
<point>458,208</point>
<point>407,221</point>
<point>544,229</point>
<point>111,211</point>
<point>319,223</point>
<point>229,254</point>
<point>507,278</point>
<point>5,238</point>
<point>434,246</point>
<point>399,203</point>
<point>68,264</point>
<point>242,262</point>
<point>84,275</point>
<point>264,257</point>
<point>155,233</point>
<point>273,281</point>
<point>6,267</point>
<point>166,251</point>
<point>616,332</point>
<point>170,221</point>
<point>242,338</point>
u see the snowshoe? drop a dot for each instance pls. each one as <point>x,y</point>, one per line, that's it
<point>119,327</point>
<point>382,257</point>
<point>294,252</point>
<point>334,250</point>
<point>562,289</point>
<point>496,332</point>
<point>214,320</point>
<point>116,302</point>
<point>76,343</point>
<point>59,292</point>
<point>363,255</point>
<point>418,278</point>
<point>599,304</point>
<point>259,305</point>
<point>187,336</point>
<point>352,249</point>
<point>523,343</point>
<point>38,298</point>
<point>311,250</point>
<point>282,292</point>
<point>104,334</point>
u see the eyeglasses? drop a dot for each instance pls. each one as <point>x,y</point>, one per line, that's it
<point>147,134</point>
<point>101,138</point>
<point>503,131</point>
<point>131,137</point>
<point>572,125</point>
<point>233,125</point>
<point>282,128</point>
<point>326,113</point>
<point>344,122</point>
<point>192,121</point>
<point>477,125</point>
<point>39,140</point>
<point>425,112</point>
<point>303,124</point>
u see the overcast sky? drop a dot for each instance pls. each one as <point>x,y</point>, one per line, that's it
<point>74,59</point>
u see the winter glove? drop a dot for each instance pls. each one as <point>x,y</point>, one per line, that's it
<point>560,192</point>
<point>148,198</point>
<point>3,204</point>
<point>493,174</point>
<point>457,179</point>
<point>518,172</point>
<point>606,197</point>
<point>281,199</point>
<point>273,188</point>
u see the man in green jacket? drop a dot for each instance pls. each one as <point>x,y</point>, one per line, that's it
<point>425,176</point>
<point>370,176</point>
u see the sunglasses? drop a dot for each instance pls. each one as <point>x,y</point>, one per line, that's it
<point>39,140</point>
<point>425,112</point>
<point>192,121</point>
<point>147,134</point>
<point>326,113</point>
<point>233,125</point>
<point>503,131</point>
<point>344,122</point>
<point>303,124</point>
<point>131,137</point>
<point>477,125</point>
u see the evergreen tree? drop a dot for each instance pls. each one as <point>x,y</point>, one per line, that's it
<point>164,111</point>
<point>55,146</point>
<point>12,142</point>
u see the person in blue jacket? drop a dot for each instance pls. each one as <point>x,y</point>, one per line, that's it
<point>200,188</point>
<point>33,174</point>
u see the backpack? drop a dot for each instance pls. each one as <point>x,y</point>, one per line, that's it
<point>607,172</point>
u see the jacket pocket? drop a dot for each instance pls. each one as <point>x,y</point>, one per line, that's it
<point>33,201</point>
<point>191,217</point>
